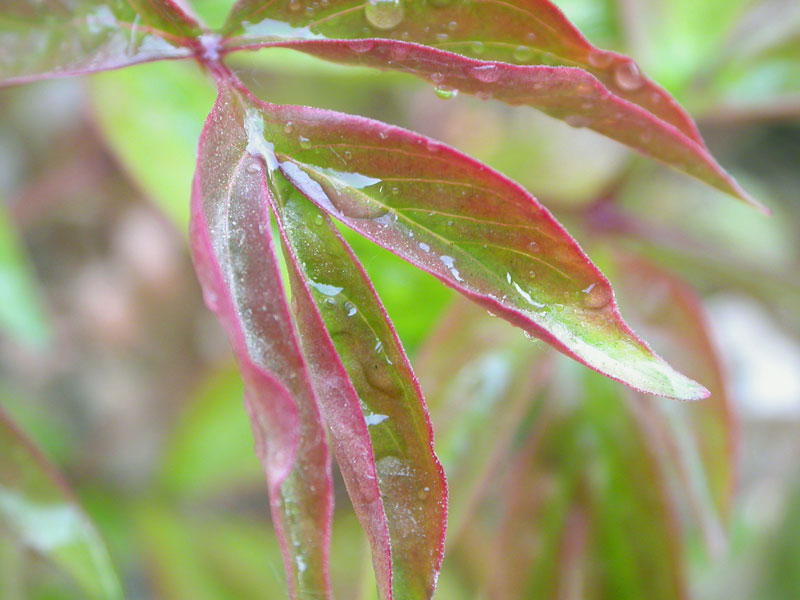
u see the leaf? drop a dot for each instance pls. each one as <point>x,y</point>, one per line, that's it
<point>368,396</point>
<point>55,38</point>
<point>371,400</point>
<point>40,512</point>
<point>482,48</point>
<point>239,274</point>
<point>21,314</point>
<point>475,230</point>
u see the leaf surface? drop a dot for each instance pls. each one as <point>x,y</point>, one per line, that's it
<point>55,38</point>
<point>39,511</point>
<point>238,270</point>
<point>369,398</point>
<point>474,229</point>
<point>519,52</point>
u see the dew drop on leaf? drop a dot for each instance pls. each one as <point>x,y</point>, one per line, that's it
<point>485,73</point>
<point>522,54</point>
<point>477,47</point>
<point>452,25</point>
<point>384,14</point>
<point>577,121</point>
<point>305,143</point>
<point>596,296</point>
<point>361,46</point>
<point>445,92</point>
<point>252,168</point>
<point>628,76</point>
<point>437,77</point>
<point>600,59</point>
<point>295,5</point>
<point>289,127</point>
<point>318,220</point>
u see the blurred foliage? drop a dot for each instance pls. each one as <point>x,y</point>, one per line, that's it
<point>136,396</point>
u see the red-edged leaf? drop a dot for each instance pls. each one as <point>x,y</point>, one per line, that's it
<point>371,401</point>
<point>367,393</point>
<point>54,38</point>
<point>474,229</point>
<point>520,52</point>
<point>702,438</point>
<point>39,511</point>
<point>238,270</point>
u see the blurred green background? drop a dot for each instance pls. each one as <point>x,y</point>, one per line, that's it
<point>110,362</point>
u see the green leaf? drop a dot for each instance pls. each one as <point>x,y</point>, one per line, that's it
<point>41,514</point>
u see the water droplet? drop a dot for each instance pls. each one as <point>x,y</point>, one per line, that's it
<point>600,59</point>
<point>424,247</point>
<point>522,54</point>
<point>309,11</point>
<point>628,76</point>
<point>384,14</point>
<point>289,127</point>
<point>361,46</point>
<point>252,167</point>
<point>375,419</point>
<point>533,247</point>
<point>477,47</point>
<point>485,73</point>
<point>295,5</point>
<point>596,296</point>
<point>445,92</point>
<point>329,302</point>
<point>348,155</point>
<point>452,25</point>
<point>530,37</point>
<point>442,37</point>
<point>437,77</point>
<point>577,121</point>
<point>395,191</point>
<point>318,220</point>
<point>304,142</point>
<point>350,308</point>
<point>431,146</point>
<point>423,493</point>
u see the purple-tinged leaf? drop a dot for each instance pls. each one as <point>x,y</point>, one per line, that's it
<point>371,401</point>
<point>238,270</point>
<point>522,53</point>
<point>701,439</point>
<point>368,395</point>
<point>514,32</point>
<point>474,229</point>
<point>54,38</point>
<point>40,512</point>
